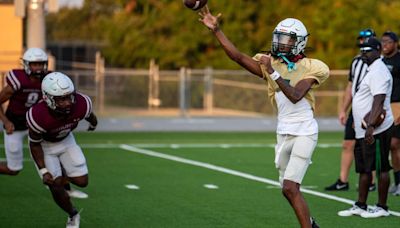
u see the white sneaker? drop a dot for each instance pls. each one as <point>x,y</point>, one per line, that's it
<point>393,188</point>
<point>375,213</point>
<point>74,221</point>
<point>74,193</point>
<point>396,190</point>
<point>355,210</point>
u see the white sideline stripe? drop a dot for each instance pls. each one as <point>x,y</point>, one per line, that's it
<point>303,186</point>
<point>196,145</point>
<point>223,145</point>
<point>234,172</point>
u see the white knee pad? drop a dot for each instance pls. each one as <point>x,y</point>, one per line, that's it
<point>14,149</point>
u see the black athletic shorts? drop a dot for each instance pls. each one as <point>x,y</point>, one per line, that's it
<point>396,131</point>
<point>365,155</point>
<point>349,133</point>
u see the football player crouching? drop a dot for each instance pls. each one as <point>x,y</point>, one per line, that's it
<point>54,150</point>
<point>22,90</point>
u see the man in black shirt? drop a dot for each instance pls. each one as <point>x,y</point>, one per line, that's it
<point>391,57</point>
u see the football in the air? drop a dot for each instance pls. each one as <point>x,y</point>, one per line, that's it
<point>377,122</point>
<point>194,4</point>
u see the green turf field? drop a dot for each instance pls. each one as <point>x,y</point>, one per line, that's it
<point>171,172</point>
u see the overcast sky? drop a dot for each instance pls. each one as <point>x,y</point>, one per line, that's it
<point>70,2</point>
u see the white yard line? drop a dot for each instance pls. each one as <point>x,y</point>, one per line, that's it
<point>193,145</point>
<point>233,172</point>
<point>222,145</point>
<point>182,146</point>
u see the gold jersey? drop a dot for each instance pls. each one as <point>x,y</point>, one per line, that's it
<point>305,68</point>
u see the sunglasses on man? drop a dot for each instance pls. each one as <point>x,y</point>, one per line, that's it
<point>366,49</point>
<point>365,33</point>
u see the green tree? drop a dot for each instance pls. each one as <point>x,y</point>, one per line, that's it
<point>131,32</point>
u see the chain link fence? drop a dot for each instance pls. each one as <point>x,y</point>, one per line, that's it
<point>186,92</point>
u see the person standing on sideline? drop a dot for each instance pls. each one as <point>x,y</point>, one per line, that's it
<point>291,78</point>
<point>371,100</point>
<point>357,71</point>
<point>56,154</point>
<point>22,90</point>
<point>391,57</point>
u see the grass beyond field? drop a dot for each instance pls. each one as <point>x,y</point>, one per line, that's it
<point>186,180</point>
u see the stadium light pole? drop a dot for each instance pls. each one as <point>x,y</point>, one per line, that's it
<point>34,11</point>
<point>35,36</point>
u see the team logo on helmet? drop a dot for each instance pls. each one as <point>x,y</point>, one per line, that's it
<point>58,92</point>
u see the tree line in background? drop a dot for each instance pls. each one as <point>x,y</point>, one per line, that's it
<point>132,32</point>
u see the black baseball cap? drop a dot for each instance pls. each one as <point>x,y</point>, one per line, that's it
<point>392,35</point>
<point>372,43</point>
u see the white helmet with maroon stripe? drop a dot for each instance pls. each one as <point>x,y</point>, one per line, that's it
<point>57,86</point>
<point>35,55</point>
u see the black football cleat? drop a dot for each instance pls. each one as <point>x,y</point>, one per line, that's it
<point>338,186</point>
<point>372,187</point>
<point>314,223</point>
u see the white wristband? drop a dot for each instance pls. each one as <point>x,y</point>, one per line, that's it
<point>275,75</point>
<point>43,171</point>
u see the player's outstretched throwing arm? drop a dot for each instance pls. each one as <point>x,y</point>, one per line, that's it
<point>211,22</point>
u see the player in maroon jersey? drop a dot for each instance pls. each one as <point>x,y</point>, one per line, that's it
<point>22,90</point>
<point>52,143</point>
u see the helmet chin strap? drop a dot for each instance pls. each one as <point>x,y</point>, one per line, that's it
<point>291,66</point>
<point>38,75</point>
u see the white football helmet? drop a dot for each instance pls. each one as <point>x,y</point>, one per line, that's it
<point>292,34</point>
<point>56,86</point>
<point>35,55</point>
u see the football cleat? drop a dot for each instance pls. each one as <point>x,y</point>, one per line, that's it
<point>375,213</point>
<point>313,223</point>
<point>355,210</point>
<point>372,187</point>
<point>74,221</point>
<point>338,186</point>
<point>395,190</point>
<point>74,193</point>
